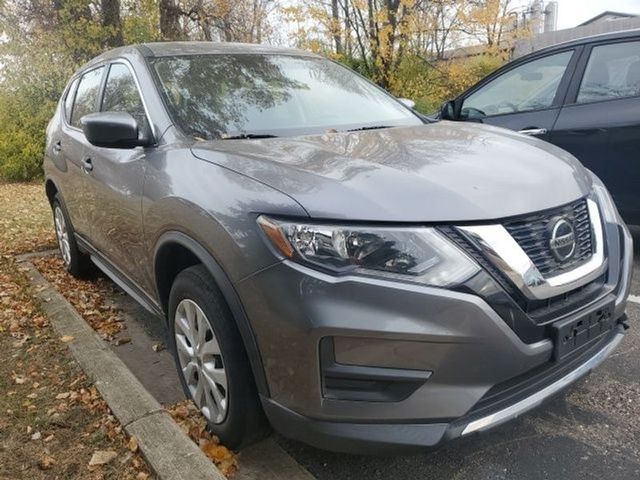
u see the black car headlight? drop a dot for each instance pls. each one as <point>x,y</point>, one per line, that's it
<point>419,254</point>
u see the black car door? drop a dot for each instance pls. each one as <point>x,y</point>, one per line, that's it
<point>600,122</point>
<point>117,176</point>
<point>524,96</point>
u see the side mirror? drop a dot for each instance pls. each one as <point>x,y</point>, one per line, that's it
<point>112,130</point>
<point>407,102</point>
<point>448,110</point>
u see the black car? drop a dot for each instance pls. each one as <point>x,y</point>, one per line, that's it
<point>583,96</point>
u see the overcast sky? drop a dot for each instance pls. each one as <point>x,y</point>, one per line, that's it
<point>573,12</point>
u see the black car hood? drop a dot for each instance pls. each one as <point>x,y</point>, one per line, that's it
<point>443,172</point>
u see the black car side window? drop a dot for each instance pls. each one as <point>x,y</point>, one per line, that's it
<point>121,94</point>
<point>530,86</point>
<point>86,95</point>
<point>68,100</point>
<point>613,72</point>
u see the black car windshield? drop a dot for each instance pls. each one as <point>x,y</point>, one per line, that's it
<point>252,96</point>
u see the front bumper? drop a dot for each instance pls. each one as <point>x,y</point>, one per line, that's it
<point>460,344</point>
<point>376,438</point>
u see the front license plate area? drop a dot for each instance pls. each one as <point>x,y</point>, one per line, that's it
<point>572,334</point>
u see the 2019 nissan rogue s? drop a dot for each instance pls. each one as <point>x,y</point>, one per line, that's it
<point>326,261</point>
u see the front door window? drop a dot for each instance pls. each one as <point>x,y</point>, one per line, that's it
<point>528,87</point>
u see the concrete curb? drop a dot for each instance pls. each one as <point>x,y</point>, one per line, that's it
<point>167,449</point>
<point>268,461</point>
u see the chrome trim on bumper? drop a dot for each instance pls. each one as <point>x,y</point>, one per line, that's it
<point>537,398</point>
<point>505,253</point>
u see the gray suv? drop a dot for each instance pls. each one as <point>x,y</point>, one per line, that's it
<point>329,263</point>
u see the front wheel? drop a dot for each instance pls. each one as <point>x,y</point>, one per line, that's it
<point>212,364</point>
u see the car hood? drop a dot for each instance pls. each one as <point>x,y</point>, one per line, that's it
<point>442,172</point>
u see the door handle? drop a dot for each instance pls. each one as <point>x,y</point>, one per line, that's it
<point>57,147</point>
<point>87,165</point>
<point>533,131</point>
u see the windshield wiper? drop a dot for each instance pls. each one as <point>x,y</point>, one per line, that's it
<point>244,136</point>
<point>373,127</point>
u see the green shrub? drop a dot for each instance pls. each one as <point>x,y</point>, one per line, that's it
<point>430,84</point>
<point>23,121</point>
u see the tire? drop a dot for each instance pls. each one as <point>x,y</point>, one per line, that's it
<point>76,262</point>
<point>218,380</point>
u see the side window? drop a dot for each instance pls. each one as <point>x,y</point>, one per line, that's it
<point>68,101</point>
<point>531,86</point>
<point>86,96</point>
<point>121,94</point>
<point>613,72</point>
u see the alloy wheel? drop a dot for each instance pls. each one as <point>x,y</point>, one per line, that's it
<point>201,361</point>
<point>62,233</point>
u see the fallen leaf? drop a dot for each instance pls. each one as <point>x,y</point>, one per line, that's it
<point>121,341</point>
<point>133,444</point>
<point>49,438</point>
<point>67,338</point>
<point>217,453</point>
<point>62,396</point>
<point>46,462</point>
<point>20,380</point>
<point>102,457</point>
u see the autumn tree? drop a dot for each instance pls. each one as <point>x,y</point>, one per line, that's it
<point>496,24</point>
<point>170,20</point>
<point>379,30</point>
<point>110,13</point>
<point>438,25</point>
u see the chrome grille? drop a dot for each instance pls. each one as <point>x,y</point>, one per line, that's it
<point>532,234</point>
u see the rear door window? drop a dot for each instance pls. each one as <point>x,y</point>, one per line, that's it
<point>87,95</point>
<point>613,72</point>
<point>68,101</point>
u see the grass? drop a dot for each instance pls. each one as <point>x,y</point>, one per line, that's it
<point>26,223</point>
<point>42,391</point>
<point>52,420</point>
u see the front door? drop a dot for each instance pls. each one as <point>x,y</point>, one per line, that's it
<point>525,97</point>
<point>118,177</point>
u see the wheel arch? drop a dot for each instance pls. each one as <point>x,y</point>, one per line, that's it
<point>51,189</point>
<point>184,251</point>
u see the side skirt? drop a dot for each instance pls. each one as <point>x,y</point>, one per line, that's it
<point>120,279</point>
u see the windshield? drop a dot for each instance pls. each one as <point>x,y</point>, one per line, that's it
<point>220,96</point>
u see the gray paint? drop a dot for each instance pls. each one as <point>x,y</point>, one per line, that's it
<point>441,172</point>
<point>212,192</point>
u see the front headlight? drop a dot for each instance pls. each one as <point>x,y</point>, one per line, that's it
<point>420,255</point>
<point>603,197</point>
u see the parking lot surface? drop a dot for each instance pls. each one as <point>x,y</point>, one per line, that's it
<point>590,431</point>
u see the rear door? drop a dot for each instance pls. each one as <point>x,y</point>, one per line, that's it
<point>117,179</point>
<point>600,122</point>
<point>72,145</point>
<point>525,96</point>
